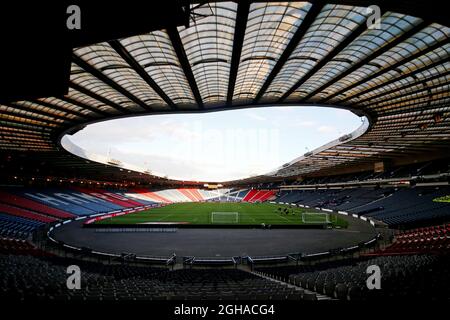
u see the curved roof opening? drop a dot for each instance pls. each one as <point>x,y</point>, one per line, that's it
<point>218,146</point>
<point>253,54</point>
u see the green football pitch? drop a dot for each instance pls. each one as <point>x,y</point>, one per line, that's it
<point>227,213</point>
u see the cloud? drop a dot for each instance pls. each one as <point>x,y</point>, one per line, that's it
<point>255,116</point>
<point>306,123</point>
<point>326,129</point>
<point>190,169</point>
<point>216,146</point>
<point>136,131</point>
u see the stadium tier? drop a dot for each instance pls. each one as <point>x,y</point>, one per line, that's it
<point>399,206</point>
<point>12,226</point>
<point>23,213</point>
<point>15,200</point>
<point>433,239</point>
<point>413,262</point>
<point>394,206</point>
<point>46,205</point>
<point>404,277</point>
<point>118,282</point>
<point>258,195</point>
<point>178,195</point>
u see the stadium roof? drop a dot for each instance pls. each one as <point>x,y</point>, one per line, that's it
<point>255,54</point>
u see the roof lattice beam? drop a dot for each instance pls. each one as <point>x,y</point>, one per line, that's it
<point>415,110</point>
<point>369,58</point>
<point>386,70</point>
<point>84,106</point>
<point>72,112</point>
<point>13,122</point>
<point>120,49</point>
<point>333,53</point>
<point>40,112</point>
<point>184,62</point>
<point>99,75</point>
<point>412,99</point>
<point>296,38</point>
<point>29,117</point>
<point>239,34</point>
<point>22,130</point>
<point>401,77</point>
<point>393,90</point>
<point>98,97</point>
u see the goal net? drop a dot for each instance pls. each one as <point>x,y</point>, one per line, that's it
<point>315,217</point>
<point>224,217</point>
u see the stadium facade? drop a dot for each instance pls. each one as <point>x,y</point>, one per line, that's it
<point>390,176</point>
<point>252,55</point>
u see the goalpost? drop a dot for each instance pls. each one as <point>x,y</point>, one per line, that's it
<point>315,217</point>
<point>224,217</point>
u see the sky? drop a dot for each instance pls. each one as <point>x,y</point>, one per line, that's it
<point>216,146</point>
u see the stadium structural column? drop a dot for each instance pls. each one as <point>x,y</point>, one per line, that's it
<point>296,38</point>
<point>184,62</point>
<point>239,34</point>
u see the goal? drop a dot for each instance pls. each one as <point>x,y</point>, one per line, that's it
<point>315,217</point>
<point>224,217</point>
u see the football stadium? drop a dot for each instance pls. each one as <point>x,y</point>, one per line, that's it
<point>364,217</point>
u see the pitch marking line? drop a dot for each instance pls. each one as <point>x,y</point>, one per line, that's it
<point>164,217</point>
<point>285,218</point>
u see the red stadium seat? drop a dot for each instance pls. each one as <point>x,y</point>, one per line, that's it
<point>25,213</point>
<point>24,203</point>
